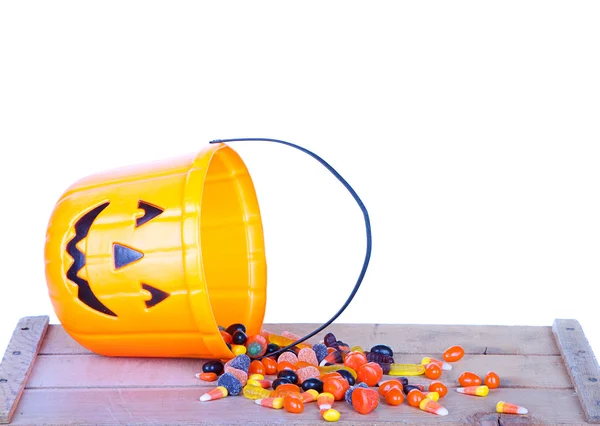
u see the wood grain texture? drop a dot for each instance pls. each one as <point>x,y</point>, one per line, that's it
<point>17,363</point>
<point>181,406</point>
<point>581,364</point>
<point>61,371</point>
<point>405,339</point>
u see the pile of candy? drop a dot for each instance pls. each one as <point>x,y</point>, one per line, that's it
<point>333,371</point>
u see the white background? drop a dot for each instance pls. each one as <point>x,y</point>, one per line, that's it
<point>470,130</point>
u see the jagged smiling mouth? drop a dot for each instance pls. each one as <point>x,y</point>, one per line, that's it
<point>85,293</point>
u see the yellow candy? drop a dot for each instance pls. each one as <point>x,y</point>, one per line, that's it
<point>238,349</point>
<point>434,396</point>
<point>406,369</point>
<point>256,376</point>
<point>331,415</point>
<point>255,392</point>
<point>357,349</point>
<point>336,367</point>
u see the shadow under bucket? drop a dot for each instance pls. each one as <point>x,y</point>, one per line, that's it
<point>148,260</point>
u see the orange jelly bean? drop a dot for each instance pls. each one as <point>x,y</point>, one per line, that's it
<point>439,387</point>
<point>226,336</point>
<point>394,396</point>
<point>369,373</point>
<point>270,365</point>
<point>336,386</point>
<point>285,364</point>
<point>256,367</point>
<point>207,377</point>
<point>491,380</point>
<point>454,353</point>
<point>332,374</point>
<point>385,387</point>
<point>433,371</point>
<point>355,359</point>
<point>469,379</point>
<point>415,397</point>
<point>292,403</point>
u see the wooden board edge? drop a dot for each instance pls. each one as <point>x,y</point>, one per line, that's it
<point>18,361</point>
<point>581,365</point>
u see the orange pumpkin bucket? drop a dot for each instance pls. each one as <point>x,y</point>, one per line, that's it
<point>148,260</point>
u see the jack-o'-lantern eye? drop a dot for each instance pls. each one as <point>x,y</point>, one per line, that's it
<point>150,212</point>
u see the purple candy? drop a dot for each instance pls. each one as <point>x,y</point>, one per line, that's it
<point>241,362</point>
<point>231,383</point>
<point>320,350</point>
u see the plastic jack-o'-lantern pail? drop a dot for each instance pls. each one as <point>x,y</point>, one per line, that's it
<point>149,260</point>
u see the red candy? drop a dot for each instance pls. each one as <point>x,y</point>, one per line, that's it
<point>370,373</point>
<point>365,400</point>
<point>355,360</point>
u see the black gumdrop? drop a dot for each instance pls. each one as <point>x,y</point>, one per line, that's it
<point>213,367</point>
<point>234,327</point>
<point>312,383</point>
<point>279,381</point>
<point>288,374</point>
<point>239,337</point>
<point>403,380</point>
<point>346,375</point>
<point>383,350</point>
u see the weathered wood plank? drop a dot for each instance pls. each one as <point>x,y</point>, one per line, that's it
<point>581,364</point>
<point>520,371</point>
<point>58,342</point>
<point>181,406</point>
<point>405,339</point>
<point>18,361</point>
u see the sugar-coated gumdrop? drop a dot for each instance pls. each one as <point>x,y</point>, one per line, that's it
<point>308,355</point>
<point>290,357</point>
<point>365,400</point>
<point>290,335</point>
<point>348,394</point>
<point>321,351</point>
<point>241,375</point>
<point>308,373</point>
<point>231,383</point>
<point>241,362</point>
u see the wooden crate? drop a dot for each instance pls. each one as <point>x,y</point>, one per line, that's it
<point>47,378</point>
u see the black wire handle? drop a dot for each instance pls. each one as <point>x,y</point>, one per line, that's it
<point>367,226</point>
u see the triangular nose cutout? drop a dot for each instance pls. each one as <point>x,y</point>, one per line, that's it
<point>157,295</point>
<point>123,255</point>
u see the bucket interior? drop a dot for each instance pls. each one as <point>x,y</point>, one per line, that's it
<point>232,243</point>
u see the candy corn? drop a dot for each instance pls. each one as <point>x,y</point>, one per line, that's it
<point>507,408</point>
<point>474,390</point>
<point>432,407</point>
<point>213,394</point>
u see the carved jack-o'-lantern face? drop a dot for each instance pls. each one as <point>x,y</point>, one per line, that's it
<point>148,260</point>
<point>122,256</point>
